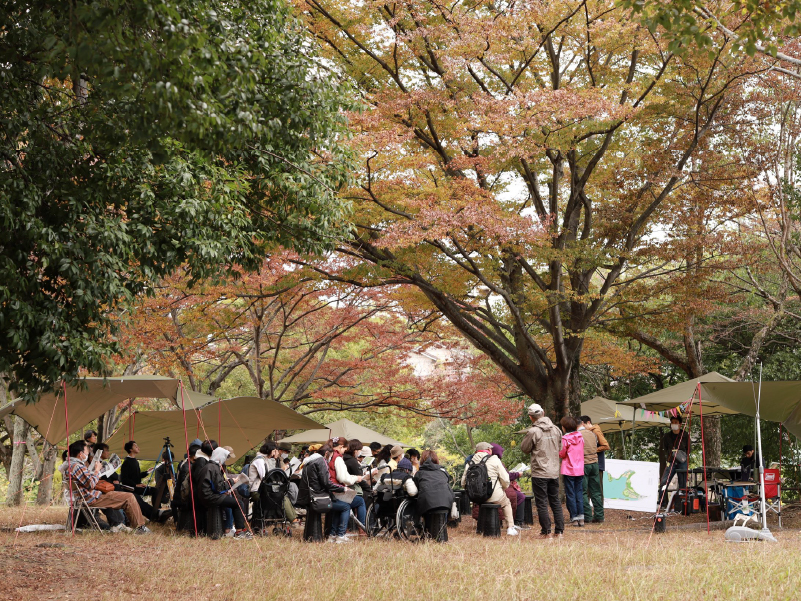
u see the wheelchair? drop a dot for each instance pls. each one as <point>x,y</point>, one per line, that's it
<point>269,512</point>
<point>393,514</point>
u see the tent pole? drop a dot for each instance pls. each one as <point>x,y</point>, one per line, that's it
<point>623,441</point>
<point>761,460</point>
<point>703,456</point>
<point>633,429</point>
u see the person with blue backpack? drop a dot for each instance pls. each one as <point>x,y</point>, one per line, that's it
<point>485,480</point>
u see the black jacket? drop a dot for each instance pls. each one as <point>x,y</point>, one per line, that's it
<point>315,478</point>
<point>130,474</point>
<point>670,441</point>
<point>434,492</point>
<point>353,465</point>
<point>212,484</point>
<point>198,467</point>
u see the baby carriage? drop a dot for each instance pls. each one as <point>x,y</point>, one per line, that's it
<point>270,510</point>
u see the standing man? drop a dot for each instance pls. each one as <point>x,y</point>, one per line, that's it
<point>674,449</point>
<point>543,441</point>
<point>603,445</point>
<point>593,502</point>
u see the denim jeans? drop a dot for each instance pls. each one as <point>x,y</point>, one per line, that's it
<point>358,506</point>
<point>574,496</point>
<point>340,514</point>
<point>228,518</point>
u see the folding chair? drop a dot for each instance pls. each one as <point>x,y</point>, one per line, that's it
<point>773,492</point>
<point>80,508</point>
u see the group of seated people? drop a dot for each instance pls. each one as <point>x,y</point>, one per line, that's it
<point>205,493</point>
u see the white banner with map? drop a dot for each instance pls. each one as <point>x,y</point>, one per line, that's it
<point>631,485</point>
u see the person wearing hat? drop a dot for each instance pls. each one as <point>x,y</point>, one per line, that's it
<point>542,442</point>
<point>748,462</point>
<point>400,477</point>
<point>499,478</point>
<point>395,455</point>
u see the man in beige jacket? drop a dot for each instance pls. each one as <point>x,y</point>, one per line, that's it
<point>543,441</point>
<point>500,482</point>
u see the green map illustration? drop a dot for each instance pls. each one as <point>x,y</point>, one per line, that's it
<point>620,488</point>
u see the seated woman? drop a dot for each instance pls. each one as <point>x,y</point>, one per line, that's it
<point>339,473</point>
<point>434,490</point>
<point>316,479</point>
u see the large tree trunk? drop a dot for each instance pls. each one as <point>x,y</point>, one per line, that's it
<point>48,468</point>
<point>712,440</point>
<point>15,491</point>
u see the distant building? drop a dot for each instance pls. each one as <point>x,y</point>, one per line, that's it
<point>433,360</point>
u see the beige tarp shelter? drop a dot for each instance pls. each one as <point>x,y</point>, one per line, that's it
<point>241,423</point>
<point>342,427</point>
<point>614,417</point>
<point>90,398</point>
<point>780,401</point>
<point>674,396</point>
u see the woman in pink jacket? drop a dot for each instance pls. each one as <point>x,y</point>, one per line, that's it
<point>572,454</point>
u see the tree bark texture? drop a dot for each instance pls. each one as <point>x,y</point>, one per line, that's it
<point>15,476</point>
<point>48,467</point>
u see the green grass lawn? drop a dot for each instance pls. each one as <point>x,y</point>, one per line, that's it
<point>592,564</point>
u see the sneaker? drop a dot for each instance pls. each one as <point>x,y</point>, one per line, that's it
<point>164,515</point>
<point>243,535</point>
<point>143,530</point>
<point>229,534</point>
<point>121,528</point>
<point>512,531</point>
<point>544,535</point>
<point>331,539</point>
<point>341,540</point>
<point>522,527</point>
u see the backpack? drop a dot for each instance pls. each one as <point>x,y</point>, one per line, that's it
<point>477,482</point>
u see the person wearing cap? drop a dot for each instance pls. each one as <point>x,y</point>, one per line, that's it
<point>748,463</point>
<point>499,478</point>
<point>400,477</point>
<point>216,492</point>
<point>543,441</point>
<point>395,455</point>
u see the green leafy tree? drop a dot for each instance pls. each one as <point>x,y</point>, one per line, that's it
<point>139,136</point>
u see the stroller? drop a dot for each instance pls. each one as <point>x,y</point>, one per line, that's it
<point>269,511</point>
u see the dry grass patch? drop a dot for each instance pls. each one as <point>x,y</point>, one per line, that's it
<point>591,564</point>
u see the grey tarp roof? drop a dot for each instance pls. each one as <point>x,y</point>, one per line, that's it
<point>614,417</point>
<point>780,401</point>
<point>241,423</point>
<point>342,427</point>
<point>90,398</point>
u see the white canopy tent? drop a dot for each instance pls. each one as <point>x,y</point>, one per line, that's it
<point>241,423</point>
<point>90,398</point>
<point>342,427</point>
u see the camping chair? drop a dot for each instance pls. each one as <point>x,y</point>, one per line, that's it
<point>739,502</point>
<point>773,492</point>
<point>80,508</point>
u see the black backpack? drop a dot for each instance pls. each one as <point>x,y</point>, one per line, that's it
<point>477,482</point>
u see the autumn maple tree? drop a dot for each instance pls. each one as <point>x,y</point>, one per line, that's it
<point>285,334</point>
<point>521,162</point>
